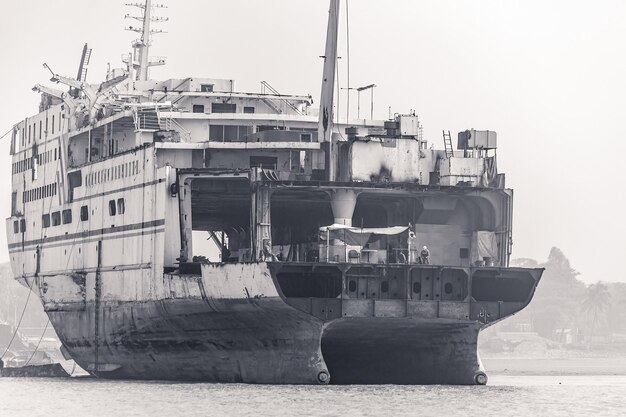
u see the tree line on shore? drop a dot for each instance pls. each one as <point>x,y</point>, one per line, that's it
<point>565,309</point>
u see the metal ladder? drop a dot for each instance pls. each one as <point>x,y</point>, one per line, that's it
<point>447,143</point>
<point>84,63</point>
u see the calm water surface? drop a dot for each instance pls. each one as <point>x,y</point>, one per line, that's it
<point>504,396</point>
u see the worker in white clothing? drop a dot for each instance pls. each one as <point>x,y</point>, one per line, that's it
<point>425,256</point>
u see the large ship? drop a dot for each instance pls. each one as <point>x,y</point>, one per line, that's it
<point>183,230</point>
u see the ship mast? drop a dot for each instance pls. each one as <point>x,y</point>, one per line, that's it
<point>141,58</point>
<point>144,44</point>
<point>325,126</point>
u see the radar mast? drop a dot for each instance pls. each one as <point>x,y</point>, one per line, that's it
<point>141,59</point>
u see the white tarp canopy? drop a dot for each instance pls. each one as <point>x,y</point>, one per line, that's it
<point>393,230</point>
<point>357,235</point>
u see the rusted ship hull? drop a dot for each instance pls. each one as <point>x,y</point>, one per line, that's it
<point>263,336</point>
<point>251,341</point>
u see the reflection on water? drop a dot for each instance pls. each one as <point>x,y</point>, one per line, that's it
<point>504,396</point>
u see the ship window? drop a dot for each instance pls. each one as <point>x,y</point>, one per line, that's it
<point>248,109</point>
<point>56,218</point>
<point>464,253</point>
<point>67,216</point>
<point>111,207</point>
<point>206,88</point>
<point>244,131</point>
<point>45,220</point>
<point>53,124</point>
<point>198,108</point>
<point>120,206</point>
<point>216,132</point>
<point>305,137</point>
<point>230,133</point>
<point>23,225</point>
<point>84,213</point>
<point>40,128</point>
<point>264,128</point>
<point>16,226</point>
<point>223,108</point>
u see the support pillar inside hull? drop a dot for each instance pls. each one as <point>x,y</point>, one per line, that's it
<point>402,351</point>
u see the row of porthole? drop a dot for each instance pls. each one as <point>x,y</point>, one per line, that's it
<point>124,170</point>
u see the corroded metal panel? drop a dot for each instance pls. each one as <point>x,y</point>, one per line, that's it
<point>422,309</point>
<point>389,308</point>
<point>237,281</point>
<point>454,310</point>
<point>358,308</point>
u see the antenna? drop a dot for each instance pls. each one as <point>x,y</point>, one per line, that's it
<point>141,61</point>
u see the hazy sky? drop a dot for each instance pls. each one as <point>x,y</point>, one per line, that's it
<point>548,76</point>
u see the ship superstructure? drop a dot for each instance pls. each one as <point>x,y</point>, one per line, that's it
<point>181,229</point>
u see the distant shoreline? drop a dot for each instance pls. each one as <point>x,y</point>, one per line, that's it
<point>543,366</point>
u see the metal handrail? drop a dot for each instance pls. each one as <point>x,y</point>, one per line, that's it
<point>275,92</point>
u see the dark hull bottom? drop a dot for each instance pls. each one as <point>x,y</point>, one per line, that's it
<point>401,351</point>
<point>264,341</point>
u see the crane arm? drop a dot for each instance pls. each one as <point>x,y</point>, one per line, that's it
<point>86,88</point>
<point>57,93</point>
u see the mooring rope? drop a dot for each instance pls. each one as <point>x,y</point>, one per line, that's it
<point>20,320</point>
<point>37,347</point>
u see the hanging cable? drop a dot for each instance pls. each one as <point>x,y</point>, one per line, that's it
<point>348,64</point>
<point>30,288</point>
<point>8,131</point>
<point>38,343</point>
